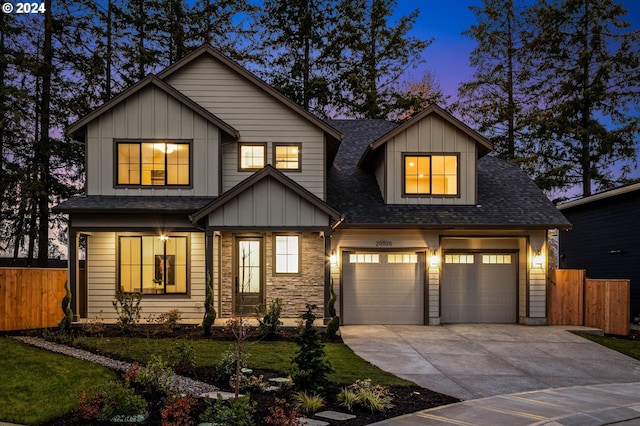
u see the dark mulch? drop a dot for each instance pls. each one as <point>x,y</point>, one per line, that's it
<point>405,399</point>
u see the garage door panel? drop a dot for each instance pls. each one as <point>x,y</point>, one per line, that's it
<point>383,293</point>
<point>478,291</point>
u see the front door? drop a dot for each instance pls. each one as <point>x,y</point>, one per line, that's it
<point>249,275</point>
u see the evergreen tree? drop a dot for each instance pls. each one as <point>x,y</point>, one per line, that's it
<point>375,55</point>
<point>412,96</point>
<point>311,366</point>
<point>494,98</point>
<point>586,65</point>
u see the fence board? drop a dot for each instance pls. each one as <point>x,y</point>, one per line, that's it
<point>565,295</point>
<point>607,305</point>
<point>31,297</point>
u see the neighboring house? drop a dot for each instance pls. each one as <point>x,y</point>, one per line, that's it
<point>605,237</point>
<point>204,173</point>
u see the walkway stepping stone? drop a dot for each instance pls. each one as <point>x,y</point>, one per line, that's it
<point>224,395</point>
<point>335,415</point>
<point>312,422</point>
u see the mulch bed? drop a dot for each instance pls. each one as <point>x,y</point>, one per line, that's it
<point>405,399</point>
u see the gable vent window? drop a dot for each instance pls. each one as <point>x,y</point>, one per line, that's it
<point>153,163</point>
<point>430,174</point>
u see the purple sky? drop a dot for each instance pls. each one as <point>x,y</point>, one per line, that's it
<point>444,20</point>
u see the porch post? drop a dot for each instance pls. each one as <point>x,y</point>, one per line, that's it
<point>72,271</point>
<point>327,272</point>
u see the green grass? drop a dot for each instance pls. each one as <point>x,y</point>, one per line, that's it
<point>625,346</point>
<point>271,355</point>
<point>37,385</point>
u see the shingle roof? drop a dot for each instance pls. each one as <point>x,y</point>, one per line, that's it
<point>507,197</point>
<point>132,204</point>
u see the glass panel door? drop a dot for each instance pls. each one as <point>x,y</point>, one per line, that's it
<point>248,275</point>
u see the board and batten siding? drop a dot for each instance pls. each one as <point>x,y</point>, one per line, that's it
<point>257,116</point>
<point>102,281</point>
<point>151,114</point>
<point>430,135</point>
<point>268,203</point>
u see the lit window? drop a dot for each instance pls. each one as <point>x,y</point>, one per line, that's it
<point>153,265</point>
<point>430,174</point>
<point>402,258</point>
<point>287,254</point>
<point>252,157</point>
<point>459,258</point>
<point>153,163</point>
<point>287,157</point>
<point>364,258</point>
<point>496,259</point>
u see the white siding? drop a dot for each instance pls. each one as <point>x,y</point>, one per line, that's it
<point>432,134</point>
<point>268,203</point>
<point>258,117</point>
<point>102,281</point>
<point>152,114</point>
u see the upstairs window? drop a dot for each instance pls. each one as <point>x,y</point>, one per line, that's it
<point>153,163</point>
<point>430,174</point>
<point>251,156</point>
<point>287,157</point>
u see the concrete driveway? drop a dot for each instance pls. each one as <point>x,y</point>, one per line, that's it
<point>480,360</point>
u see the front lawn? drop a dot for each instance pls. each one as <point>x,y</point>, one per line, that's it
<point>262,355</point>
<point>37,386</point>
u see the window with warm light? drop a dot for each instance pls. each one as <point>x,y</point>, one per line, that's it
<point>430,174</point>
<point>287,254</point>
<point>153,265</point>
<point>252,156</point>
<point>153,163</point>
<point>287,157</point>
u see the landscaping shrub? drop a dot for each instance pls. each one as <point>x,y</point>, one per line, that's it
<point>308,403</point>
<point>233,412</point>
<point>65,323</point>
<point>226,367</point>
<point>168,322</point>
<point>269,318</point>
<point>94,327</point>
<point>363,393</point>
<point>334,323</point>
<point>183,357</point>
<point>176,410</point>
<point>282,414</point>
<point>249,383</point>
<point>311,366</point>
<point>127,306</point>
<point>157,377</point>
<point>209,310</point>
<point>112,400</point>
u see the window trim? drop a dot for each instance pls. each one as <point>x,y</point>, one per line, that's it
<point>252,169</point>
<point>430,154</point>
<point>186,235</point>
<point>117,142</point>
<point>296,144</point>
<point>274,253</point>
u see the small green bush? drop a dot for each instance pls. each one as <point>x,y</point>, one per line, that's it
<point>65,323</point>
<point>249,383</point>
<point>157,377</point>
<point>233,412</point>
<point>333,326</point>
<point>363,393</point>
<point>269,318</point>
<point>110,401</point>
<point>209,310</point>
<point>226,367</point>
<point>308,403</point>
<point>127,306</point>
<point>183,357</point>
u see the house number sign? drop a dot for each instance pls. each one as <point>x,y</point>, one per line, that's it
<point>384,243</point>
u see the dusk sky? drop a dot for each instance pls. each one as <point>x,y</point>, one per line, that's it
<point>444,21</point>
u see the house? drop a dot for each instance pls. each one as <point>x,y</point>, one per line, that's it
<point>604,238</point>
<point>205,174</point>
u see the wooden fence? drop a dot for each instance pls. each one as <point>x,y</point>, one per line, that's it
<point>31,297</point>
<point>573,299</point>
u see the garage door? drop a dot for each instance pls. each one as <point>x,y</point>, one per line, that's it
<point>479,288</point>
<point>383,288</point>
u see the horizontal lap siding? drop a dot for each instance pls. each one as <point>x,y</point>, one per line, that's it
<point>258,117</point>
<point>430,135</point>
<point>102,281</point>
<point>151,114</point>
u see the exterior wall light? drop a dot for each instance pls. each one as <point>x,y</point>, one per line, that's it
<point>434,259</point>
<point>334,258</point>
<point>163,238</point>
<point>537,261</point>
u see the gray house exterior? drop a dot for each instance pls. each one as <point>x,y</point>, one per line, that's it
<point>203,173</point>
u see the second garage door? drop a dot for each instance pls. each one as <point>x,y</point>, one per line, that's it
<point>479,288</point>
<point>383,288</point>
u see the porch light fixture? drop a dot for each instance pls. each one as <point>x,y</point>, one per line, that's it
<point>434,259</point>
<point>537,261</point>
<point>163,238</point>
<point>334,258</point>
